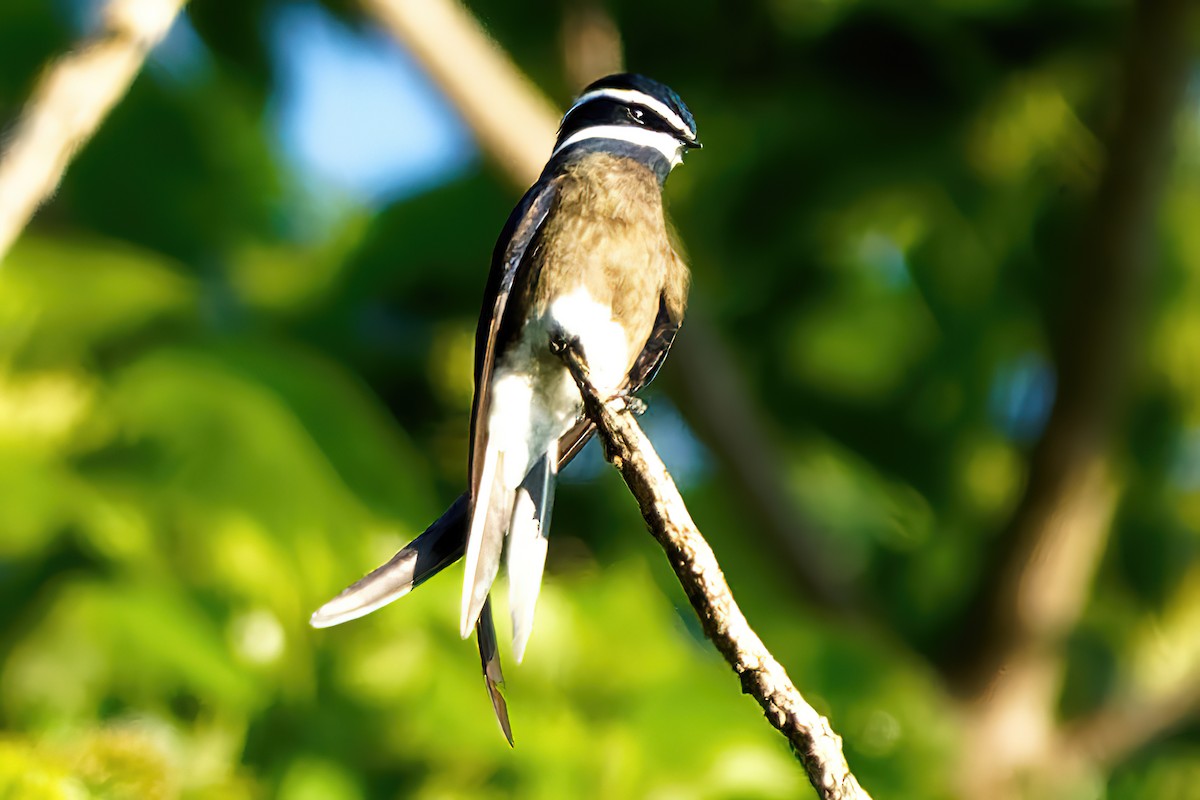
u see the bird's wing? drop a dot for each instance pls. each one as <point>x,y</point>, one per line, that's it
<point>650,360</point>
<point>500,320</point>
<point>516,241</point>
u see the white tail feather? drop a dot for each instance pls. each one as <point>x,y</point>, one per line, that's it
<point>492,510</point>
<point>527,546</point>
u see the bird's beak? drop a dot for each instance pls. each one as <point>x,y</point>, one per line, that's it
<point>696,145</point>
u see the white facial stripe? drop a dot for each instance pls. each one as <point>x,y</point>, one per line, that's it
<point>641,99</point>
<point>664,143</point>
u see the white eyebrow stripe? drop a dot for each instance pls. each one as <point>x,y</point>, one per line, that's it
<point>641,99</point>
<point>664,143</point>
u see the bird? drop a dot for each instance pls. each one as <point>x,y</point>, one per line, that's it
<point>585,261</point>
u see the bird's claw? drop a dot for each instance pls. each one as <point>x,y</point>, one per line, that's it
<point>561,343</point>
<point>633,404</point>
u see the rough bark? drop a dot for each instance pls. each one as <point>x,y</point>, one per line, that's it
<point>695,564</point>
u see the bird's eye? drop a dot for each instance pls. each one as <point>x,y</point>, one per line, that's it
<point>635,114</point>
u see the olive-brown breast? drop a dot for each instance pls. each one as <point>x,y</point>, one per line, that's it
<point>607,234</point>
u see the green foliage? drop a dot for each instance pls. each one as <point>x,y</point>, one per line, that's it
<point>212,419</point>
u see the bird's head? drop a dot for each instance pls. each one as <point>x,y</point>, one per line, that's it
<point>630,114</point>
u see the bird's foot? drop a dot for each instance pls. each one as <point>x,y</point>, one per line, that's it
<point>569,349</point>
<point>633,404</point>
<point>561,342</point>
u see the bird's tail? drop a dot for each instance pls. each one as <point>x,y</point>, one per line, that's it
<point>485,539</point>
<point>489,657</point>
<point>516,502</point>
<point>438,547</point>
<point>443,543</point>
<point>527,545</point>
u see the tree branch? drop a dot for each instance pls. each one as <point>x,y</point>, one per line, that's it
<point>1115,732</point>
<point>811,737</point>
<point>69,103</point>
<point>590,42</point>
<point>1008,654</point>
<point>1059,528</point>
<point>513,121</point>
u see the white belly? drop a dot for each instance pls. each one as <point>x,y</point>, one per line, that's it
<point>534,400</point>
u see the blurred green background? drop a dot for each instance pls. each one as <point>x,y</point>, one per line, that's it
<point>235,364</point>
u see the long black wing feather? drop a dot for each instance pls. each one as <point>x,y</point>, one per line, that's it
<point>520,232</point>
<point>650,360</point>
